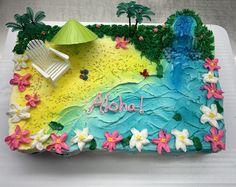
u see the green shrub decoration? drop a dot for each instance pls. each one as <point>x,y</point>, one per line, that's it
<point>38,31</point>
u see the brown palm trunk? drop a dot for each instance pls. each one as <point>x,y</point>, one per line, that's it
<point>129,26</point>
<point>135,28</point>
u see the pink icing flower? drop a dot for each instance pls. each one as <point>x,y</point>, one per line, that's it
<point>32,100</point>
<point>98,25</point>
<point>111,140</point>
<point>213,92</point>
<point>17,138</point>
<point>140,38</point>
<point>155,29</point>
<point>121,42</point>
<point>21,81</point>
<point>58,143</point>
<point>211,64</point>
<point>162,142</point>
<point>215,139</point>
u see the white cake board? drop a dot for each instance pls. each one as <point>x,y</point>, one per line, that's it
<point>104,169</point>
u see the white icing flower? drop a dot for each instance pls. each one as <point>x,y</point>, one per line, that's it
<point>38,140</point>
<point>209,77</point>
<point>138,139</point>
<point>81,138</point>
<point>20,61</point>
<point>210,115</point>
<point>17,113</point>
<point>181,139</point>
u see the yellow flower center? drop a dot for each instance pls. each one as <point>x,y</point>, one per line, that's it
<point>182,137</point>
<point>122,40</point>
<point>163,140</point>
<point>18,111</point>
<point>212,91</point>
<point>19,60</point>
<point>216,138</point>
<point>38,138</point>
<point>212,64</point>
<point>138,137</point>
<point>82,137</point>
<point>58,141</point>
<point>110,139</point>
<point>210,76</point>
<point>18,136</point>
<point>211,115</point>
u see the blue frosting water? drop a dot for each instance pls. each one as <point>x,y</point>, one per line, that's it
<point>178,92</point>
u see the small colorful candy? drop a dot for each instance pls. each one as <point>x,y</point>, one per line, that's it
<point>84,74</point>
<point>84,77</point>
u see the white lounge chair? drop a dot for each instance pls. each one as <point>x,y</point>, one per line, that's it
<point>51,68</point>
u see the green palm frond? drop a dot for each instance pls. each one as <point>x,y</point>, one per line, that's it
<point>121,6</point>
<point>18,28</point>
<point>143,12</point>
<point>147,17</point>
<point>30,13</point>
<point>22,19</point>
<point>14,26</point>
<point>17,17</point>
<point>126,8</point>
<point>120,12</point>
<point>11,24</point>
<point>25,19</point>
<point>39,16</point>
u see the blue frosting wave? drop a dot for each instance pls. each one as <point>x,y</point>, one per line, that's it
<point>178,92</point>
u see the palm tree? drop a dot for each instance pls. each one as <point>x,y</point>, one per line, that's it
<point>128,9</point>
<point>25,19</point>
<point>140,13</point>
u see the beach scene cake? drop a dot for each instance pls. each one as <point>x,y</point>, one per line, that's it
<point>129,87</point>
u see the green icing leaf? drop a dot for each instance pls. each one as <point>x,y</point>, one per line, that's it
<point>56,126</point>
<point>220,109</point>
<point>93,144</point>
<point>177,117</point>
<point>125,141</point>
<point>197,143</point>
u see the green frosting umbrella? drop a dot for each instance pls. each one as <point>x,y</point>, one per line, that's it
<point>73,32</point>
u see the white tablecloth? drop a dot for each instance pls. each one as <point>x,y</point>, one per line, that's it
<point>101,169</point>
